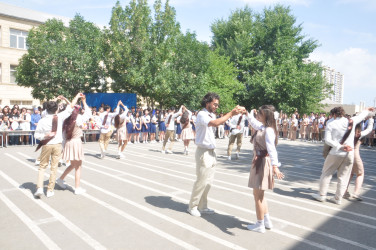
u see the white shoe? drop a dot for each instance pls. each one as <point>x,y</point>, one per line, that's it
<point>207,211</point>
<point>79,190</point>
<point>50,194</point>
<point>37,162</point>
<point>237,155</point>
<point>268,224</point>
<point>61,183</point>
<point>186,152</point>
<point>168,151</point>
<point>319,197</point>
<point>229,158</point>
<point>122,156</point>
<point>163,152</point>
<point>334,200</point>
<point>194,212</point>
<point>38,193</point>
<point>103,154</point>
<point>259,228</point>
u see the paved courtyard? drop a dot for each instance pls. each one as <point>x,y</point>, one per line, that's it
<point>140,203</point>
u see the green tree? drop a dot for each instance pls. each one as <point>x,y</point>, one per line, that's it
<point>127,41</point>
<point>269,51</point>
<point>63,60</point>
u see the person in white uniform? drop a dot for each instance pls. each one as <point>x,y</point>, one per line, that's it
<point>205,153</point>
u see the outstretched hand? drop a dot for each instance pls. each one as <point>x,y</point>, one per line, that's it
<point>278,173</point>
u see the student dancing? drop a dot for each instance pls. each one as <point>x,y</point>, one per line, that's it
<point>73,150</point>
<point>121,126</point>
<point>265,163</point>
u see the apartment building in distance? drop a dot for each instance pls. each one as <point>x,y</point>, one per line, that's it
<point>15,23</point>
<point>337,80</point>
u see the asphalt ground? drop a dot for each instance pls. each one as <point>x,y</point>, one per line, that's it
<point>140,203</point>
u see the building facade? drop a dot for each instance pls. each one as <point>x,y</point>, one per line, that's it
<point>337,81</point>
<point>15,23</point>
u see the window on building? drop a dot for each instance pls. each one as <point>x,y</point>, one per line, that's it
<point>21,102</point>
<point>18,39</point>
<point>13,73</point>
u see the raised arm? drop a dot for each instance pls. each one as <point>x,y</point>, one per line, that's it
<point>257,125</point>
<point>223,119</point>
<point>368,129</point>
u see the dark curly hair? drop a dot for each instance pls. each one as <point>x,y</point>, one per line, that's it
<point>338,111</point>
<point>209,97</point>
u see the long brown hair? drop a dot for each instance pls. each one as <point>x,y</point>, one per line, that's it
<point>70,123</point>
<point>117,121</point>
<point>268,112</point>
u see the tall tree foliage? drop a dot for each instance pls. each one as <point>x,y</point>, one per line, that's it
<point>165,66</point>
<point>126,46</point>
<point>270,51</point>
<point>63,60</point>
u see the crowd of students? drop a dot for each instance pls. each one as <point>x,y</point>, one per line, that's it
<point>60,128</point>
<point>149,125</point>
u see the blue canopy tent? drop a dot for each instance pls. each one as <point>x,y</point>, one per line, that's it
<point>110,99</point>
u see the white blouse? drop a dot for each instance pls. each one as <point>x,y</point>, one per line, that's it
<point>269,138</point>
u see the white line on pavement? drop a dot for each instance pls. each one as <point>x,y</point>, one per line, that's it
<point>223,203</point>
<point>47,241</point>
<point>312,203</point>
<point>162,216</point>
<point>76,230</point>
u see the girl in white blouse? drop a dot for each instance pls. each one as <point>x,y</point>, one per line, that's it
<point>265,163</point>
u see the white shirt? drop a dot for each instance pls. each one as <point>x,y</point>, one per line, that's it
<point>294,122</point>
<point>311,119</point>
<point>171,125</point>
<point>321,122</point>
<point>44,113</point>
<point>204,134</point>
<point>234,123</point>
<point>146,119</point>
<point>336,129</point>
<point>108,121</point>
<point>124,115</point>
<point>45,126</point>
<point>269,138</point>
<point>369,128</point>
<point>81,119</point>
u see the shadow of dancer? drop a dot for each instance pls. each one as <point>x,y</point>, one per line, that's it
<point>223,222</point>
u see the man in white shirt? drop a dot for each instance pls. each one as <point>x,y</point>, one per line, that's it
<point>341,155</point>
<point>236,133</point>
<point>205,153</point>
<point>105,126</point>
<point>50,132</point>
<point>170,129</point>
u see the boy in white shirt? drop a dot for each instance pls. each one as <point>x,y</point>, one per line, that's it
<point>50,132</point>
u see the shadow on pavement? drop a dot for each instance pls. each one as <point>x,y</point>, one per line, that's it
<point>223,222</point>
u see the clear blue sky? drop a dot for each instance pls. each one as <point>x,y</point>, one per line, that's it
<point>346,29</point>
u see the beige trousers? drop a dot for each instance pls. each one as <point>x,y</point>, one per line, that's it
<point>343,166</point>
<point>231,141</point>
<point>104,140</point>
<point>205,163</point>
<point>169,135</point>
<point>53,151</point>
